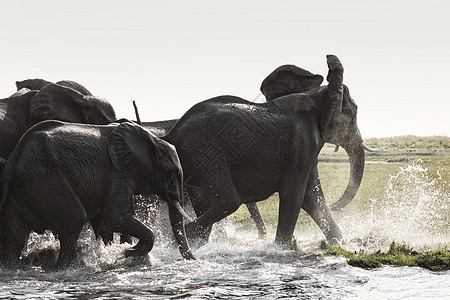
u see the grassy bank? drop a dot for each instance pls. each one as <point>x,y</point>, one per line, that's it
<point>402,168</point>
<point>396,255</point>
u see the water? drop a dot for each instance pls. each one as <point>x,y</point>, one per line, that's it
<point>236,265</point>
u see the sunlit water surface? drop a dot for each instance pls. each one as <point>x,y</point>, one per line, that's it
<point>235,264</point>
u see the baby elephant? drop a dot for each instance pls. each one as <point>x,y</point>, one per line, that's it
<point>62,175</point>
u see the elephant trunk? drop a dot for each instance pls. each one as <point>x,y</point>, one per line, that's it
<point>176,221</point>
<point>357,157</point>
<point>176,214</point>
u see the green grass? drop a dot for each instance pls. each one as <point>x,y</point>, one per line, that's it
<point>397,255</point>
<point>395,154</point>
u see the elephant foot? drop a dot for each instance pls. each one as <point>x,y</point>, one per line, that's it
<point>336,240</point>
<point>138,251</point>
<point>325,244</point>
<point>135,261</point>
<point>196,234</point>
<point>142,248</point>
<point>262,234</point>
<point>290,244</point>
<point>135,252</point>
<point>45,258</point>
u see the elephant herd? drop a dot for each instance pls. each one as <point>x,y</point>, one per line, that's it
<point>65,160</point>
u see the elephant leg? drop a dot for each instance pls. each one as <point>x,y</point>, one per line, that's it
<point>223,199</point>
<point>291,194</point>
<point>316,206</point>
<point>68,245</point>
<point>257,218</point>
<point>101,232</point>
<point>200,205</point>
<point>141,209</point>
<point>69,222</point>
<point>133,227</point>
<point>16,235</point>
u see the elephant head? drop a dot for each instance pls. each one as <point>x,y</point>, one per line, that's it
<point>289,79</point>
<point>338,126</point>
<point>58,102</point>
<point>337,113</point>
<point>151,166</point>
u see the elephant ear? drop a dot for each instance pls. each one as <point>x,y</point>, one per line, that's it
<point>76,86</point>
<point>32,84</point>
<point>289,79</point>
<point>348,104</point>
<point>133,152</point>
<point>57,102</point>
<point>96,110</point>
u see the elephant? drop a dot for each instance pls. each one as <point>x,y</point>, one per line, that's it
<point>284,80</point>
<point>51,102</point>
<point>62,175</point>
<point>238,151</point>
<point>37,84</point>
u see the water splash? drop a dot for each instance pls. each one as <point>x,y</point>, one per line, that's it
<point>415,210</point>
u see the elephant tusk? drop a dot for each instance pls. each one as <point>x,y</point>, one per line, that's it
<point>181,210</point>
<point>365,147</point>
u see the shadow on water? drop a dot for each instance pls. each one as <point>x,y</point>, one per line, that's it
<point>236,265</point>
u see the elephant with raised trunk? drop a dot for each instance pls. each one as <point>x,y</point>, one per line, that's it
<point>62,175</point>
<point>240,152</point>
<point>284,80</point>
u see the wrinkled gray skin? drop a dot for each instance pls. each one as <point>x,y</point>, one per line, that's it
<point>284,80</point>
<point>51,102</point>
<point>62,175</point>
<point>160,129</point>
<point>227,145</point>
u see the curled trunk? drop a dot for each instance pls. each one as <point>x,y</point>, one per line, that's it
<point>357,157</point>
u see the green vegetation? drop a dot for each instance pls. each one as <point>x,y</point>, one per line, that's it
<point>395,154</point>
<point>397,255</point>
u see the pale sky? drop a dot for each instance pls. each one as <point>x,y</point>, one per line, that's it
<point>169,55</point>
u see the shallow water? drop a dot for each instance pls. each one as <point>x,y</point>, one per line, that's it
<point>249,270</point>
<point>236,265</point>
